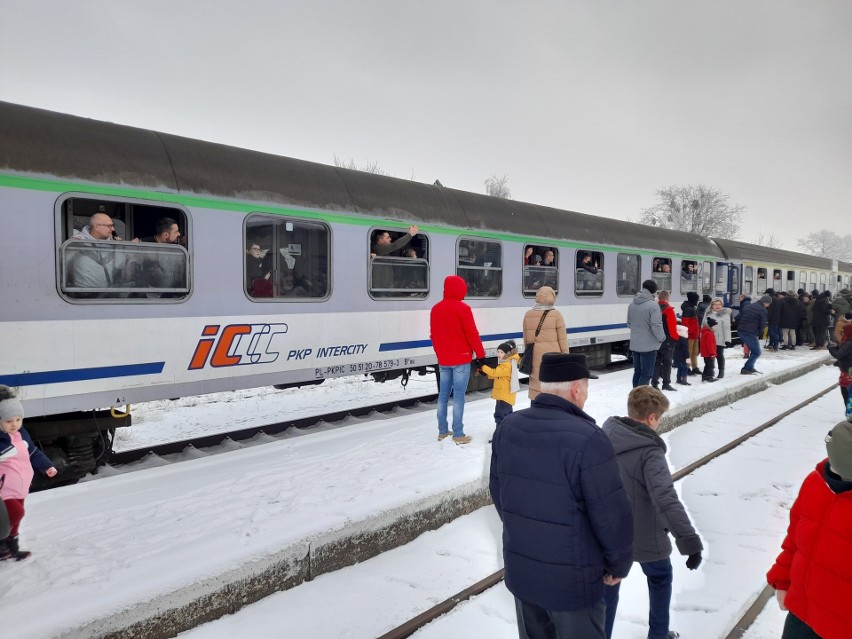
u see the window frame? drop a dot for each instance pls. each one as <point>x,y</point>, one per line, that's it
<point>638,274</point>
<point>483,268</point>
<point>595,277</point>
<point>662,279</point>
<point>545,272</point>
<point>393,293</point>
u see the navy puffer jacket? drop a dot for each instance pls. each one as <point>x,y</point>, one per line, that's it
<point>566,519</point>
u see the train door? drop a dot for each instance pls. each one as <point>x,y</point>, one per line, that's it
<point>728,283</point>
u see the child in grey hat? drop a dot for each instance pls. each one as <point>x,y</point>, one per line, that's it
<point>18,455</point>
<point>813,574</point>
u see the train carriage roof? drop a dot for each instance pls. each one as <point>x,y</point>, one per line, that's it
<point>743,252</point>
<point>54,145</point>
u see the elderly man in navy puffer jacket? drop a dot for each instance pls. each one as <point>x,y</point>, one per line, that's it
<point>567,523</point>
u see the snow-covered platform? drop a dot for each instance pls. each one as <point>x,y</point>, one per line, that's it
<point>153,552</point>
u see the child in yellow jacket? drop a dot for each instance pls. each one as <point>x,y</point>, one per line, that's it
<point>502,374</point>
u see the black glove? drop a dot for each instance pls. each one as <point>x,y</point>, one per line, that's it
<point>479,363</point>
<point>728,345</point>
<point>693,561</point>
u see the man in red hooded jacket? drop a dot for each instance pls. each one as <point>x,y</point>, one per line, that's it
<point>455,339</point>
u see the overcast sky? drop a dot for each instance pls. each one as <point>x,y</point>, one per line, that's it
<point>585,105</point>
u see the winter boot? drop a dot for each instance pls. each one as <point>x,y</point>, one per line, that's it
<point>5,553</point>
<point>16,553</point>
<point>721,374</point>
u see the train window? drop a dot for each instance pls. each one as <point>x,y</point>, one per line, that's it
<point>822,280</point>
<point>480,264</point>
<point>803,279</point>
<point>286,258</point>
<point>689,276</point>
<point>735,280</point>
<point>399,264</point>
<point>662,274</point>
<point>777,282</point>
<point>541,268</point>
<point>791,280</point>
<point>761,281</point>
<point>629,271</point>
<point>126,250</point>
<point>813,280</point>
<point>707,278</point>
<point>748,280</point>
<point>588,278</point>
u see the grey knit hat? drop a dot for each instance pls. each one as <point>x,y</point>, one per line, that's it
<point>838,443</point>
<point>9,406</point>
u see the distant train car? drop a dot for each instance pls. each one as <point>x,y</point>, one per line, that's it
<point>147,266</point>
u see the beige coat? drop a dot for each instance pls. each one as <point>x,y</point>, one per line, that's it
<point>551,339</point>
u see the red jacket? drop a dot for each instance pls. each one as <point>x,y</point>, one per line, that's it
<point>669,320</point>
<point>707,346</point>
<point>452,328</point>
<point>815,564</point>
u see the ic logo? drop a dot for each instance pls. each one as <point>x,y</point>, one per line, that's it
<point>237,345</point>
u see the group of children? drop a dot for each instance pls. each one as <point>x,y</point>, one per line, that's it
<point>704,329</point>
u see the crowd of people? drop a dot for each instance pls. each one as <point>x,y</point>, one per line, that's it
<point>580,504</point>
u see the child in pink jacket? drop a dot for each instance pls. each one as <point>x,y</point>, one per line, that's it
<point>18,455</point>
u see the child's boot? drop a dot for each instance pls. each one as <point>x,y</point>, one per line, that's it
<point>5,553</point>
<point>16,553</point>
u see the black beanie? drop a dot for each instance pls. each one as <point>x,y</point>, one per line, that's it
<point>692,297</point>
<point>507,347</point>
<point>711,322</point>
<point>707,299</point>
<point>650,286</point>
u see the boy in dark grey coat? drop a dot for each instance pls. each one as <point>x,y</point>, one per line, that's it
<point>657,511</point>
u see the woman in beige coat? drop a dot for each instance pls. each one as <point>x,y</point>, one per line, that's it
<point>551,339</point>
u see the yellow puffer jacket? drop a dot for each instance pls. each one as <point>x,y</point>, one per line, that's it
<point>502,375</point>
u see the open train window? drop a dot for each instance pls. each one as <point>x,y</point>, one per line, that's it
<point>589,274</point>
<point>748,280</point>
<point>541,268</point>
<point>480,264</point>
<point>662,273</point>
<point>690,274</point>
<point>286,259</point>
<point>791,280</point>
<point>629,272</point>
<point>399,264</point>
<point>707,278</point>
<point>122,249</point>
<point>777,282</point>
<point>761,281</point>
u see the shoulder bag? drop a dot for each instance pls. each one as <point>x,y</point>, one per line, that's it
<point>526,364</point>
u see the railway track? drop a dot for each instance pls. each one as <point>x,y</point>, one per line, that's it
<point>416,623</point>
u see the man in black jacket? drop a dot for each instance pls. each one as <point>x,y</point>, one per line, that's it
<point>567,525</point>
<point>752,321</point>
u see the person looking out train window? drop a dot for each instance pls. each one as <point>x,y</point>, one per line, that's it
<point>382,244</point>
<point>95,268</point>
<point>167,231</point>
<point>258,271</point>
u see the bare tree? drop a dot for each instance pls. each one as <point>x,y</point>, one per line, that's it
<point>498,187</point>
<point>696,209</point>
<point>367,167</point>
<point>773,241</point>
<point>825,243</point>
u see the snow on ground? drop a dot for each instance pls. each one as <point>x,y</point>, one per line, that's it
<point>101,547</point>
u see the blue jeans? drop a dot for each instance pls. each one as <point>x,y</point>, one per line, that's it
<point>643,367</point>
<point>659,574</point>
<point>750,340</point>
<point>455,379</point>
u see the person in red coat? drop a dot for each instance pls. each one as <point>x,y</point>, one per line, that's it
<point>812,576</point>
<point>708,350</point>
<point>455,339</point>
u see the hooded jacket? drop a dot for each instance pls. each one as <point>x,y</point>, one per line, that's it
<point>566,519</point>
<point>453,331</point>
<point>657,511</point>
<point>645,321</point>
<point>553,338</point>
<point>815,564</point>
<point>689,314</point>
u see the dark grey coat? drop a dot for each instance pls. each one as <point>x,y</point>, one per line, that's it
<point>645,321</point>
<point>657,511</point>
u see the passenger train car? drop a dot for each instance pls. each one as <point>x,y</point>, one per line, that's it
<point>276,279</point>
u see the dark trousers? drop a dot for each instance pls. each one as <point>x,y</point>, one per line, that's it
<point>774,335</point>
<point>659,575</point>
<point>720,358</point>
<point>820,335</point>
<point>501,411</point>
<point>845,393</point>
<point>795,628</point>
<point>663,367</point>
<point>709,368</point>
<point>539,623</point>
<point>643,367</point>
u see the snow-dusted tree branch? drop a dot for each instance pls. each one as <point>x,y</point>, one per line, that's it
<point>773,241</point>
<point>696,209</point>
<point>825,243</point>
<point>367,167</point>
<point>498,187</point>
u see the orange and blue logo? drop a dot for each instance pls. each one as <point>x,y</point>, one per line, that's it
<point>236,345</point>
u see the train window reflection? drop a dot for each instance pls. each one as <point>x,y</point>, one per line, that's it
<point>629,271</point>
<point>589,274</point>
<point>122,249</point>
<point>480,264</point>
<point>399,264</point>
<point>286,259</point>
